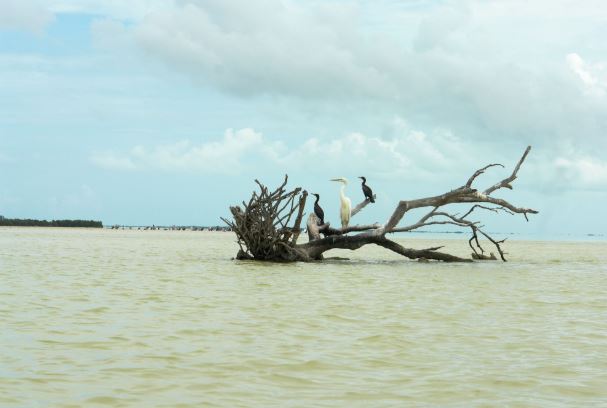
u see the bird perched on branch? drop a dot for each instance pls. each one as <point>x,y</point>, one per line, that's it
<point>346,204</point>
<point>367,190</point>
<point>318,210</point>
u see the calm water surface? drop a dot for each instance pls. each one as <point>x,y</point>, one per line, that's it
<point>166,319</point>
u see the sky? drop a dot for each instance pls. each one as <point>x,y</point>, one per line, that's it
<point>165,111</point>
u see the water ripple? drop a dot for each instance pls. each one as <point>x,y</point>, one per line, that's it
<point>165,319</point>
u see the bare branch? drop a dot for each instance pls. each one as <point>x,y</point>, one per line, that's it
<point>327,230</point>
<point>420,253</point>
<point>452,196</point>
<point>496,243</point>
<point>474,238</point>
<point>296,225</point>
<point>425,224</point>
<point>481,197</point>
<point>460,222</point>
<point>505,183</point>
<point>494,209</point>
<point>464,194</point>
<point>479,172</point>
<point>359,207</point>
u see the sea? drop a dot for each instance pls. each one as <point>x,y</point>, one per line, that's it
<point>129,318</point>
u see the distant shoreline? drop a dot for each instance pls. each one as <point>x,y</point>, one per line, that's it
<point>171,228</point>
<point>18,222</point>
<point>15,222</point>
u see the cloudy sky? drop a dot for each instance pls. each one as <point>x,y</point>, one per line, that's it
<point>164,111</point>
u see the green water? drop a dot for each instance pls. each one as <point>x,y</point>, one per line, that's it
<point>166,319</point>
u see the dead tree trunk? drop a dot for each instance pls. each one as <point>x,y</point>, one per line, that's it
<point>263,231</point>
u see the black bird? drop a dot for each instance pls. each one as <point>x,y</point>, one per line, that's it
<point>367,190</point>
<point>318,210</point>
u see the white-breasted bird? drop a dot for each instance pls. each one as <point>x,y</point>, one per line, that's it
<point>346,205</point>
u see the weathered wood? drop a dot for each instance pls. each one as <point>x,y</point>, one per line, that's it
<point>313,227</point>
<point>264,232</point>
<point>354,242</point>
<point>359,207</point>
<point>505,183</point>
<point>429,253</point>
<point>263,225</point>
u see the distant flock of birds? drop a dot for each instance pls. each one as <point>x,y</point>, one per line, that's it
<point>345,208</point>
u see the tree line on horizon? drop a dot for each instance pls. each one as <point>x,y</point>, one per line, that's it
<point>16,222</point>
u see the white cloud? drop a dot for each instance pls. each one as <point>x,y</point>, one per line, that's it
<point>441,27</point>
<point>225,156</point>
<point>276,47</point>
<point>582,172</point>
<point>428,161</point>
<point>27,15</point>
<point>110,161</point>
<point>552,9</point>
<point>593,75</point>
<point>110,34</point>
<point>129,10</point>
<point>406,154</point>
<point>454,65</point>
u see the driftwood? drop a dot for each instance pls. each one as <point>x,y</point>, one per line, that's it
<point>263,229</point>
<point>264,232</point>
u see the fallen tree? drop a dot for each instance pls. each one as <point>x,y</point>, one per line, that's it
<point>265,232</point>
